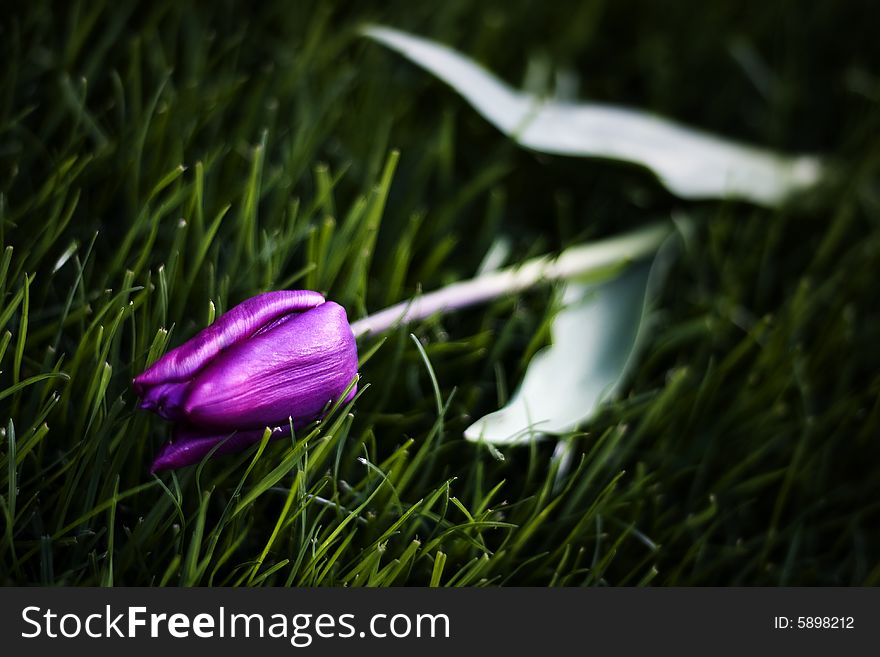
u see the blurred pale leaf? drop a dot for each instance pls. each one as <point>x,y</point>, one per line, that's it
<point>595,337</point>
<point>692,164</point>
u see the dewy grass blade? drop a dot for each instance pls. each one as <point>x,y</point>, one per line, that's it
<point>437,570</point>
<point>107,579</point>
<point>248,225</point>
<point>11,390</point>
<point>12,306</point>
<point>4,268</point>
<point>434,384</point>
<point>190,573</point>
<point>12,474</point>
<point>4,343</point>
<point>282,517</point>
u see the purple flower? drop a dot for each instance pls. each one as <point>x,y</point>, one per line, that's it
<point>276,356</point>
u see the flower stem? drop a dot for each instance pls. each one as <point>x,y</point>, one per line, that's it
<point>574,262</point>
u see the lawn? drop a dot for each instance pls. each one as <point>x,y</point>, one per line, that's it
<point>161,163</point>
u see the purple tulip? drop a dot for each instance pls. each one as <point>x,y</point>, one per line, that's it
<point>276,356</point>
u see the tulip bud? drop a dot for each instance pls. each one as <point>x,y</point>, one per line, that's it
<point>276,356</point>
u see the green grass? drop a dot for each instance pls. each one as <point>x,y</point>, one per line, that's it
<point>159,164</point>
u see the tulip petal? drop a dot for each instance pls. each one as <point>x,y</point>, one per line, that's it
<point>293,370</point>
<point>239,323</point>
<point>190,446</point>
<point>165,400</point>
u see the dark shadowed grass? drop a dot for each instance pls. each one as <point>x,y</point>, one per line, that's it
<point>159,164</point>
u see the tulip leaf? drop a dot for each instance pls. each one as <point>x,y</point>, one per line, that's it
<point>595,338</point>
<point>692,164</point>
